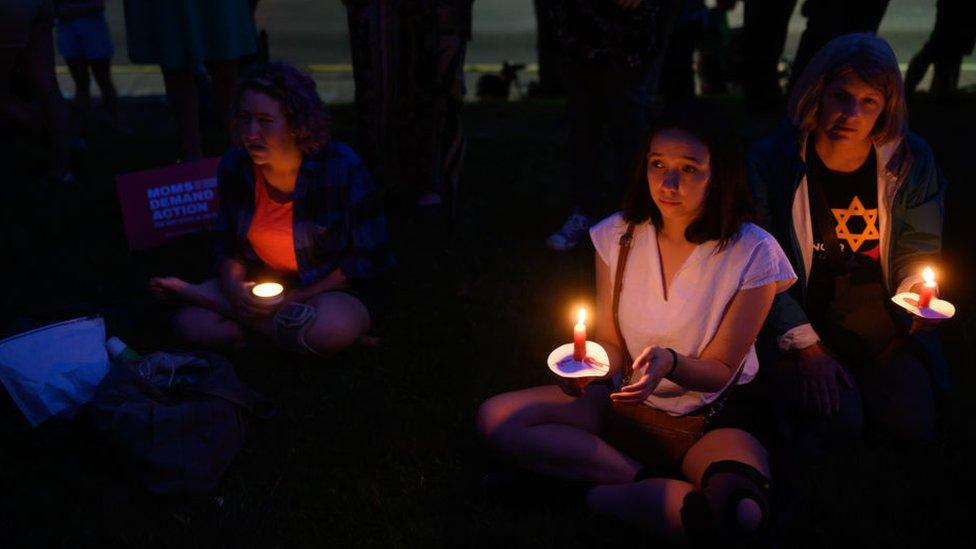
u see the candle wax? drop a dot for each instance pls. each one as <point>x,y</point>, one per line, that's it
<point>925,296</point>
<point>579,342</point>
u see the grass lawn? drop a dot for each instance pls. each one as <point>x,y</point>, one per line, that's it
<point>377,447</point>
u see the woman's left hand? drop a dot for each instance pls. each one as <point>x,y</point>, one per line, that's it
<point>649,368</point>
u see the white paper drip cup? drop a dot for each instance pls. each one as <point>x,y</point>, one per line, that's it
<point>562,364</point>
<point>938,309</point>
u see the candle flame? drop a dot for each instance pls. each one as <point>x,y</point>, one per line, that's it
<point>929,275</point>
<point>581,316</point>
<point>267,289</point>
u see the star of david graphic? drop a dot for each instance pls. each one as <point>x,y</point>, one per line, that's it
<point>870,223</point>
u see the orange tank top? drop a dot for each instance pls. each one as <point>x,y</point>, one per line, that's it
<point>270,233</point>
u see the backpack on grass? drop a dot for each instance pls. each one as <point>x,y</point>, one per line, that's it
<point>176,419</point>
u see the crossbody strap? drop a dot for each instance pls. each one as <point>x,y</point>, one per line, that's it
<point>625,242</point>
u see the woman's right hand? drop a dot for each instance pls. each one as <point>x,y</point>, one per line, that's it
<point>239,295</point>
<point>819,372</point>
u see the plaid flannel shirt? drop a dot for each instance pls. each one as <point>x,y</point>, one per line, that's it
<point>337,223</point>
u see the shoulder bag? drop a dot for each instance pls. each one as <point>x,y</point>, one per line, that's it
<point>658,439</point>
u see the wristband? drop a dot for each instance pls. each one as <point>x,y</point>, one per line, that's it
<point>674,362</point>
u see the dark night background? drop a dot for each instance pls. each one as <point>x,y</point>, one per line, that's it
<point>377,447</point>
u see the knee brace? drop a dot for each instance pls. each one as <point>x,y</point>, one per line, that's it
<point>711,516</point>
<point>291,323</point>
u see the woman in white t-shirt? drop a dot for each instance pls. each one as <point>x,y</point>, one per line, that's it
<point>698,282</point>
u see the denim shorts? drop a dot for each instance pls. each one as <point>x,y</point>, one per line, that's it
<point>85,38</point>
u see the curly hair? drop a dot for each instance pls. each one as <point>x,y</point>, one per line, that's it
<point>308,119</point>
<point>869,58</point>
<point>727,202</point>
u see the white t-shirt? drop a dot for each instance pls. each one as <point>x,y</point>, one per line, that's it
<point>700,292</point>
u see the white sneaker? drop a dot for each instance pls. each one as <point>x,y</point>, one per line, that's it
<point>573,230</point>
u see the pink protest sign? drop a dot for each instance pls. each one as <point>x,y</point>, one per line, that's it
<point>167,202</point>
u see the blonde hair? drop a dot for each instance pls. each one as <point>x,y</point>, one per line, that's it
<point>869,58</point>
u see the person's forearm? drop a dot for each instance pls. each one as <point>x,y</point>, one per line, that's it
<point>701,374</point>
<point>336,280</point>
<point>789,321</point>
<point>232,273</point>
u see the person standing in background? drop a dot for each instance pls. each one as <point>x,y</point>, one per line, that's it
<point>613,51</point>
<point>766,23</point>
<point>408,64</point>
<point>828,19</point>
<point>953,37</point>
<point>550,83</point>
<point>84,42</point>
<point>183,36</point>
<point>27,65</point>
<point>678,69</point>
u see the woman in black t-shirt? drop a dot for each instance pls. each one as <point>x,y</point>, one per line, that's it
<point>857,202</point>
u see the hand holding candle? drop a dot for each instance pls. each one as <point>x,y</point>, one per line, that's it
<point>928,288</point>
<point>579,337</point>
<point>925,305</point>
<point>580,360</point>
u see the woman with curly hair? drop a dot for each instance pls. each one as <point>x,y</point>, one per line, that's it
<point>296,207</point>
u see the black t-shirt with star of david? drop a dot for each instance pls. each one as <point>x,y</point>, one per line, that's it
<point>852,204</point>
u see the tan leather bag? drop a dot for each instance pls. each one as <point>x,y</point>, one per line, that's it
<point>655,438</point>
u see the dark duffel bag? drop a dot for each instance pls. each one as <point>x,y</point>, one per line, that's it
<point>176,419</point>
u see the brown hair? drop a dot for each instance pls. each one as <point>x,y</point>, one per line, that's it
<point>869,58</point>
<point>727,203</point>
<point>295,92</point>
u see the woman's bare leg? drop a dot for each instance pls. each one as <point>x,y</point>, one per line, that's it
<point>544,430</point>
<point>205,328</point>
<point>79,73</point>
<point>202,324</point>
<point>206,295</point>
<point>102,70</point>
<point>341,321</point>
<point>656,504</point>
<point>729,445</point>
<point>652,505</point>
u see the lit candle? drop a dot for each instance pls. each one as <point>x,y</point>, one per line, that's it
<point>928,288</point>
<point>579,337</point>
<point>269,293</point>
